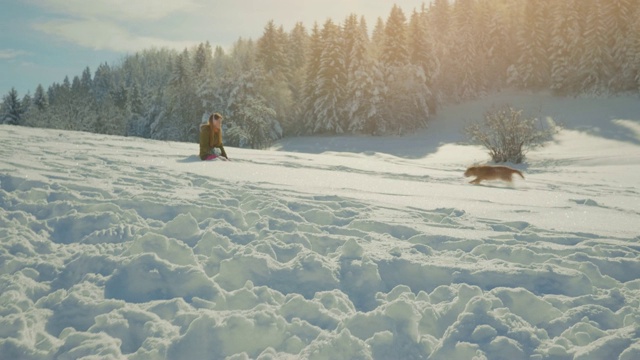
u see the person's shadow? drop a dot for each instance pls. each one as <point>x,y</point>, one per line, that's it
<point>190,159</point>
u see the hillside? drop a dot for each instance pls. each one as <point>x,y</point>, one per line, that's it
<point>325,247</point>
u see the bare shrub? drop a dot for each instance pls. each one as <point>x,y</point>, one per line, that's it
<point>508,135</point>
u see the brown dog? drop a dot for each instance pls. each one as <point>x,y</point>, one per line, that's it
<point>488,172</point>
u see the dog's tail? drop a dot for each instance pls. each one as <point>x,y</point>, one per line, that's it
<point>519,173</point>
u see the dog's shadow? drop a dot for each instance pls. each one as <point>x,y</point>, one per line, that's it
<point>496,186</point>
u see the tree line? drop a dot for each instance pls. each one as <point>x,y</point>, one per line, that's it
<point>342,77</point>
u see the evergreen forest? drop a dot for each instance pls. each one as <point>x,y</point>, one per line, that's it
<point>345,76</point>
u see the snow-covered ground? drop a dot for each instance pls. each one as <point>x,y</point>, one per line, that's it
<point>325,247</point>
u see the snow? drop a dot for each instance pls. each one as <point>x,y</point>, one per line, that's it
<point>325,247</point>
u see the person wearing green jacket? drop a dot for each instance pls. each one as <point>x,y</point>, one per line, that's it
<point>211,138</point>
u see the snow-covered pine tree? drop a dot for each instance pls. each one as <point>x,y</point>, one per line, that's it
<point>618,16</point>
<point>439,19</point>
<point>632,68</point>
<point>330,91</point>
<point>202,59</point>
<point>26,102</point>
<point>394,57</point>
<point>136,125</point>
<point>220,62</point>
<point>421,51</point>
<point>36,116</point>
<point>110,118</point>
<point>595,64</point>
<point>65,113</point>
<point>312,70</point>
<point>103,82</point>
<point>272,55</point>
<point>407,99</point>
<point>251,121</point>
<point>149,72</point>
<point>40,98</point>
<point>464,58</point>
<point>298,50</point>
<point>377,39</point>
<point>272,51</point>
<point>184,110</point>
<point>534,43</point>
<point>484,18</point>
<point>359,106</point>
<point>395,51</point>
<point>406,96</point>
<point>203,76</point>
<point>377,123</point>
<point>499,50</point>
<point>564,46</point>
<point>85,80</point>
<point>182,71</point>
<point>298,46</point>
<point>81,103</point>
<point>258,123</point>
<point>11,110</point>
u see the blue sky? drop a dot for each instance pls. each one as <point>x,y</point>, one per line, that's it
<point>42,41</point>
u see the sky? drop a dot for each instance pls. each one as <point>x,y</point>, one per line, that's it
<point>42,41</point>
<point>325,247</point>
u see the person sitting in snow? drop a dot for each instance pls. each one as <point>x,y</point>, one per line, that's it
<point>211,138</point>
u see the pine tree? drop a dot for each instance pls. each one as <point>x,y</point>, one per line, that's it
<point>102,82</point>
<point>377,39</point>
<point>618,18</point>
<point>40,99</point>
<point>257,120</point>
<point>311,85</point>
<point>272,55</point>
<point>203,77</point>
<point>360,106</point>
<point>463,64</point>
<point>594,69</point>
<point>298,56</point>
<point>251,120</point>
<point>499,50</point>
<point>34,113</point>
<point>395,50</point>
<point>331,79</point>
<point>27,103</point>
<point>632,66</point>
<point>439,19</point>
<point>565,35</point>
<point>406,95</point>
<point>182,73</point>
<point>298,46</point>
<point>483,12</point>
<point>136,124</point>
<point>184,111</point>
<point>11,111</point>
<point>271,51</point>
<point>406,99</point>
<point>421,51</point>
<point>202,59</point>
<point>533,64</point>
<point>85,80</point>
<point>220,63</point>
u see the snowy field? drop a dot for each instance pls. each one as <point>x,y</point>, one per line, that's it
<point>325,247</point>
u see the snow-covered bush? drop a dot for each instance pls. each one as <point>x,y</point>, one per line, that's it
<point>508,135</point>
